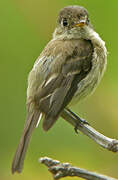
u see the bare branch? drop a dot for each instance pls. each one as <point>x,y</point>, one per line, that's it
<point>60,170</point>
<point>105,142</point>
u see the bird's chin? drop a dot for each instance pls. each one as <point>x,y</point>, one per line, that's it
<point>85,31</point>
<point>73,33</point>
<point>77,31</point>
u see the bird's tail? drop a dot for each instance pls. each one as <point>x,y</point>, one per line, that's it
<point>30,124</point>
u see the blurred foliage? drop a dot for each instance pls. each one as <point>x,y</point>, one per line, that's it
<point>25,28</point>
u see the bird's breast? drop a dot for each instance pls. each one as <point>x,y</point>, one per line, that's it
<point>87,86</point>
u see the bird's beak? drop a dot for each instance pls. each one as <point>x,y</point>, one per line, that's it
<point>81,23</point>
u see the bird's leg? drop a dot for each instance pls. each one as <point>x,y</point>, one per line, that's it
<point>79,121</point>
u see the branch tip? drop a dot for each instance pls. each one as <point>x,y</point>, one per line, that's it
<point>60,170</point>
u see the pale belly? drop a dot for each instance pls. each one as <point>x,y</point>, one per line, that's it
<point>87,86</point>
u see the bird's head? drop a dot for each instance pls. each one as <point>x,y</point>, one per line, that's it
<point>72,20</point>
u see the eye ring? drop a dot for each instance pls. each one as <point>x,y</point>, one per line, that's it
<point>65,23</point>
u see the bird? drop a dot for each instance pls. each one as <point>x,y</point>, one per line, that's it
<point>67,71</point>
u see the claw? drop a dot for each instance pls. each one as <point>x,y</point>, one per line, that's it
<point>80,123</point>
<point>76,129</point>
<point>84,121</point>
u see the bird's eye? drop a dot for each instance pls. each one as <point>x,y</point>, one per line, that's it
<point>65,23</point>
<point>79,16</point>
<point>88,21</point>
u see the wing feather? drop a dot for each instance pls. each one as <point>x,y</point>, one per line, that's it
<point>64,73</point>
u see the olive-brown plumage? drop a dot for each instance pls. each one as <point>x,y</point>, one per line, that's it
<point>68,69</point>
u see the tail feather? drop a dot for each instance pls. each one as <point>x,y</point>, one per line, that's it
<point>48,122</point>
<point>18,161</point>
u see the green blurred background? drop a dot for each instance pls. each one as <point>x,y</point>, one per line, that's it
<point>25,28</point>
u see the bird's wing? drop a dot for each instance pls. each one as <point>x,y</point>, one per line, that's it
<point>59,88</point>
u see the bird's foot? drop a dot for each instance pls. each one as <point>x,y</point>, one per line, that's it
<point>80,123</point>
